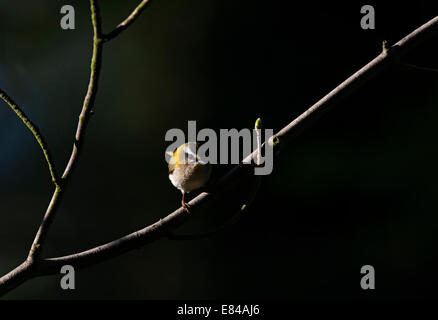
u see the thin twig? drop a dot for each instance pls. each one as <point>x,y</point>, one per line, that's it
<point>95,66</point>
<point>127,22</point>
<point>176,218</point>
<point>36,133</point>
<point>414,67</point>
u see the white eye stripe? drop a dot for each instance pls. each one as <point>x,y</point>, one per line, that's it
<point>189,158</point>
<point>189,153</point>
<point>189,150</point>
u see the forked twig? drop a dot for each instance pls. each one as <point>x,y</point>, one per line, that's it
<point>96,61</point>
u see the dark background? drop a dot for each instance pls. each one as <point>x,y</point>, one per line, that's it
<point>358,187</point>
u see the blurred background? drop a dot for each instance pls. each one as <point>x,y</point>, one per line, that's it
<point>358,187</point>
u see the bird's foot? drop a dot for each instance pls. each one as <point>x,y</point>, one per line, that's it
<point>185,206</point>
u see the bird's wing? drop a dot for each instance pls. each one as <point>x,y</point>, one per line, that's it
<point>171,167</point>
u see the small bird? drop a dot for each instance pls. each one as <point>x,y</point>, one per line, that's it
<point>187,171</point>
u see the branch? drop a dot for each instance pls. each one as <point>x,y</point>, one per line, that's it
<point>34,129</point>
<point>127,22</point>
<point>179,216</point>
<point>96,61</point>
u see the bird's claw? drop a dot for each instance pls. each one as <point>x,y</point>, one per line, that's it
<point>186,207</point>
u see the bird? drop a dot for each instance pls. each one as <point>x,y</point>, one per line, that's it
<point>187,171</point>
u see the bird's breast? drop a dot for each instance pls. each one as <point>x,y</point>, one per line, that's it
<point>189,177</point>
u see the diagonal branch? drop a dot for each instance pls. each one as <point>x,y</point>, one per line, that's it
<point>127,22</point>
<point>34,129</point>
<point>159,229</point>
